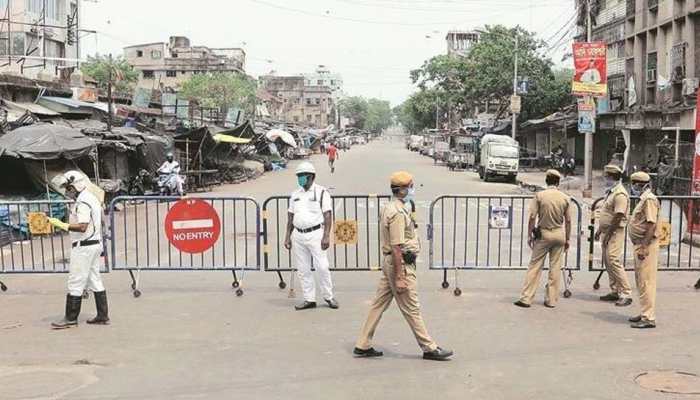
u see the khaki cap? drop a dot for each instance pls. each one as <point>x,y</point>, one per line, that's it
<point>612,168</point>
<point>401,178</point>
<point>640,177</point>
<point>554,173</point>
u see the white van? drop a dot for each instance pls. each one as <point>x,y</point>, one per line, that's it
<point>499,158</point>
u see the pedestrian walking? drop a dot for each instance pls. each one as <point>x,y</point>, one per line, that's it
<point>549,230</point>
<point>85,228</point>
<point>332,156</point>
<point>309,224</point>
<point>611,231</point>
<point>400,247</point>
<point>644,235</point>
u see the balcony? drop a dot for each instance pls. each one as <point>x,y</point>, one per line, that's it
<point>631,6</point>
<point>653,5</point>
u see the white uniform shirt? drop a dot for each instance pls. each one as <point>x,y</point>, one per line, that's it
<point>169,167</point>
<point>309,206</point>
<point>87,210</point>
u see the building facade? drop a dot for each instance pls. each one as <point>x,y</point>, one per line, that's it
<point>39,38</point>
<point>295,102</point>
<point>652,77</point>
<point>460,42</point>
<point>163,66</point>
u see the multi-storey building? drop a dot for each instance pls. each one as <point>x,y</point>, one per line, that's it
<point>39,38</point>
<point>460,42</point>
<point>652,76</point>
<point>298,103</point>
<point>168,65</point>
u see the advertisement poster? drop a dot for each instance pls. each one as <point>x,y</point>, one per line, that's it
<point>590,64</point>
<point>500,217</point>
<point>694,206</point>
<point>586,116</point>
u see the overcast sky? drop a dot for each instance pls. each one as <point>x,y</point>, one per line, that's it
<point>373,44</point>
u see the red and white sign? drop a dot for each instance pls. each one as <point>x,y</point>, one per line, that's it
<point>694,206</point>
<point>192,226</point>
<point>591,69</point>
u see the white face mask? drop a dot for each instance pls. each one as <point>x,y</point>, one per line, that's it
<point>610,182</point>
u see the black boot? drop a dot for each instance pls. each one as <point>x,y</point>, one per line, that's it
<point>102,317</point>
<point>70,320</point>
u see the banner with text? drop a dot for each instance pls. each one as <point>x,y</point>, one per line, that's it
<point>591,72</point>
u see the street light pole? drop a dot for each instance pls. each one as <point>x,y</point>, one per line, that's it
<point>515,86</point>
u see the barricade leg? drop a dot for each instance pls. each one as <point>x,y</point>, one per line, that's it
<point>445,283</point>
<point>282,283</point>
<point>568,280</point>
<point>457,291</point>
<point>236,283</point>
<point>697,285</point>
<point>135,279</point>
<point>596,285</point>
<point>3,287</point>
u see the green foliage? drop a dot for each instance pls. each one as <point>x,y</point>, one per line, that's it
<point>418,111</point>
<point>221,90</point>
<point>98,67</point>
<point>373,115</point>
<point>487,73</point>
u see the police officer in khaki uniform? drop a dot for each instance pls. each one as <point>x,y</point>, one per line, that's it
<point>644,235</point>
<point>611,230</point>
<point>400,247</point>
<point>550,231</point>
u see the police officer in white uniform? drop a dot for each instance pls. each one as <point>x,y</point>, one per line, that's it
<point>308,236</point>
<point>85,227</point>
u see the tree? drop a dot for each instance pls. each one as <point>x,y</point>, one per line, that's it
<point>418,111</point>
<point>123,75</point>
<point>486,73</point>
<point>370,114</point>
<point>221,90</point>
<point>356,109</point>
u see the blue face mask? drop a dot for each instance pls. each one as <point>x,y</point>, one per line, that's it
<point>303,180</point>
<point>410,196</point>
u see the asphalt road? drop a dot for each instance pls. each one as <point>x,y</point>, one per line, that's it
<point>190,337</point>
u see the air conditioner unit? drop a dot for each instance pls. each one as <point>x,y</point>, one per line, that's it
<point>690,86</point>
<point>651,75</point>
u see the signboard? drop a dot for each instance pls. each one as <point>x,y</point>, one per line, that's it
<point>694,206</point>
<point>88,95</point>
<point>142,98</point>
<point>500,217</point>
<point>586,115</point>
<point>192,226</point>
<point>169,103</point>
<point>523,85</point>
<point>515,104</point>
<point>345,232</point>
<point>591,73</point>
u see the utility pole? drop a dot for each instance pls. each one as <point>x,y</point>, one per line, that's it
<point>588,156</point>
<point>437,112</point>
<point>515,85</point>
<point>109,95</point>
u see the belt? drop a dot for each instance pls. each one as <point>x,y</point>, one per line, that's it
<point>85,243</point>
<point>309,230</point>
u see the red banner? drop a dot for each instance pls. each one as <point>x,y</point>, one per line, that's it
<point>694,207</point>
<point>591,70</point>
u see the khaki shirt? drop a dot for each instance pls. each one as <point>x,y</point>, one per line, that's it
<point>397,228</point>
<point>647,210</point>
<point>616,201</point>
<point>550,206</point>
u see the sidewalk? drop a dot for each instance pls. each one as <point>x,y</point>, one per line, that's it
<point>573,185</point>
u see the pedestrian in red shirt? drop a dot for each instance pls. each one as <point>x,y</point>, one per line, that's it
<point>332,156</point>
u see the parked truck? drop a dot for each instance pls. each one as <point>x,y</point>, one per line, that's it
<point>499,158</point>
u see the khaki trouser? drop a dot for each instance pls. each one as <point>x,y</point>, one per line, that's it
<point>645,276</point>
<point>552,244</point>
<point>612,257</point>
<point>407,302</point>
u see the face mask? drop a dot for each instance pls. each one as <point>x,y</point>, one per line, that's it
<point>71,193</point>
<point>610,182</point>
<point>410,196</point>
<point>302,180</point>
<point>637,190</point>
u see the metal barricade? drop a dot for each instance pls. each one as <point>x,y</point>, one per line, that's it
<point>489,233</point>
<point>22,252</point>
<point>677,213</point>
<point>139,233</point>
<point>360,213</point>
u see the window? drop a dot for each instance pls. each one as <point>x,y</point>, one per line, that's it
<point>308,102</point>
<point>171,74</point>
<point>55,9</point>
<point>156,54</point>
<point>318,101</point>
<point>174,55</point>
<point>309,117</point>
<point>148,75</point>
<point>296,118</point>
<point>332,82</point>
<point>319,82</point>
<point>139,53</point>
<point>16,46</point>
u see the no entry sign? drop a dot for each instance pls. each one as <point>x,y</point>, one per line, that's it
<point>192,226</point>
